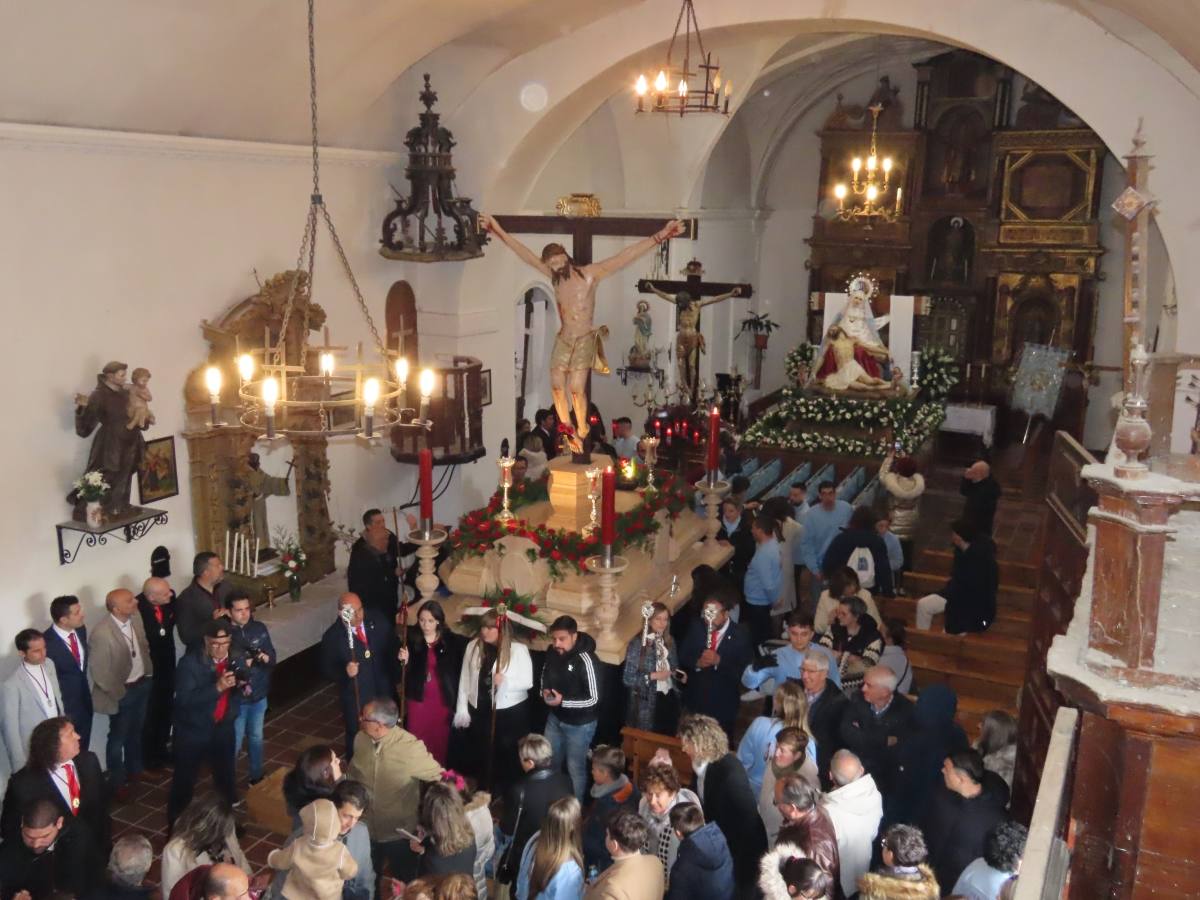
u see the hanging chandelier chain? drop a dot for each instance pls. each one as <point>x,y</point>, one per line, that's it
<point>312,98</point>
<point>362,304</point>
<point>308,242</point>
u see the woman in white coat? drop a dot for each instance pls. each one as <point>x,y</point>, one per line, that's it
<point>496,668</point>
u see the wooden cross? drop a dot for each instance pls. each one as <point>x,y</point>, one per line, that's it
<point>582,230</point>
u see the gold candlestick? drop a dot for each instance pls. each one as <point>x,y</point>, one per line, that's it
<point>593,477</point>
<point>506,464</point>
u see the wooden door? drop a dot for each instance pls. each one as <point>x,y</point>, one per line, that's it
<point>400,317</point>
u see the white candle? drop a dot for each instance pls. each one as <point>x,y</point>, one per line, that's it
<point>254,562</point>
<point>225,558</point>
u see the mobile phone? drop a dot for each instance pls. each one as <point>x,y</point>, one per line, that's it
<point>408,834</point>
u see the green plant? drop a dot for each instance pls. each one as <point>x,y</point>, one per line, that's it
<point>757,323</point>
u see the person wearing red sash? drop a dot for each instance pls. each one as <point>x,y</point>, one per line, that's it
<point>61,771</point>
<point>206,706</point>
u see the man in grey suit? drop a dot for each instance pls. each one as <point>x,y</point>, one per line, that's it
<point>121,680</point>
<point>31,695</point>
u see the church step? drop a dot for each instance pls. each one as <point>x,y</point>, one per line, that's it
<point>987,648</point>
<point>1012,574</point>
<point>1010,622</point>
<point>918,584</point>
<point>970,678</point>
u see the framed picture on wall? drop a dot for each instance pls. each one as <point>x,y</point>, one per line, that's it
<point>485,387</point>
<point>158,476</point>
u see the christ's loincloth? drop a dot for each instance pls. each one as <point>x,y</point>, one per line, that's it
<point>581,353</point>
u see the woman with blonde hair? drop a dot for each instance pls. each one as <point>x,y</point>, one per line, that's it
<point>552,863</point>
<point>203,835</point>
<point>725,795</point>
<point>447,842</point>
<point>650,664</point>
<point>496,669</point>
<point>758,743</point>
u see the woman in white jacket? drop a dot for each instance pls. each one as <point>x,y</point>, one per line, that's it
<point>904,486</point>
<point>496,669</point>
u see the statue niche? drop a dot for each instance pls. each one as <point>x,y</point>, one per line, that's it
<point>951,250</point>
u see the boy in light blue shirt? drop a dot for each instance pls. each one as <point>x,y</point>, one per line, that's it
<point>764,578</point>
<point>821,525</point>
<point>768,672</point>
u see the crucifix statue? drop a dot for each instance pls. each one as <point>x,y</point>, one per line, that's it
<point>689,297</point>
<point>578,347</point>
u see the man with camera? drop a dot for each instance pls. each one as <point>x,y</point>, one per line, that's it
<point>206,706</point>
<point>253,657</point>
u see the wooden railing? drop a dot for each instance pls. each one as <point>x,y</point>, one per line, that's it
<point>1046,862</point>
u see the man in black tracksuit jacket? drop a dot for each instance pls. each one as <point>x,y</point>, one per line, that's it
<point>571,688</point>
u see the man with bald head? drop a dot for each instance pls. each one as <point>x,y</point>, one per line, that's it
<point>121,671</point>
<point>225,882</point>
<point>156,605</point>
<point>982,493</point>
<point>358,654</point>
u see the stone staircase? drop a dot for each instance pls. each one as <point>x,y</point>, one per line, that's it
<point>985,670</point>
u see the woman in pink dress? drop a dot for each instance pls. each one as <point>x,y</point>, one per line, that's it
<point>431,663</point>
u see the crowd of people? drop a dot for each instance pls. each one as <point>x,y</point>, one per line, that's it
<point>449,785</point>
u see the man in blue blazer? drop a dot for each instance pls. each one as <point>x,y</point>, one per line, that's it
<point>67,647</point>
<point>358,654</point>
<point>714,665</point>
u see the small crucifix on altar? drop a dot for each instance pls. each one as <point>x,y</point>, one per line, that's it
<point>689,297</point>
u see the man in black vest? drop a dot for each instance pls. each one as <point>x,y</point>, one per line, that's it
<point>156,605</point>
<point>374,571</point>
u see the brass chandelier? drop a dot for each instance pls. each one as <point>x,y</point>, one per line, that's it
<point>871,185</point>
<point>678,89</point>
<point>280,397</point>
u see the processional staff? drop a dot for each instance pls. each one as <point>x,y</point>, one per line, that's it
<point>348,619</point>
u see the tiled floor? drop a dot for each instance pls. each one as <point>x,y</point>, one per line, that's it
<point>313,719</point>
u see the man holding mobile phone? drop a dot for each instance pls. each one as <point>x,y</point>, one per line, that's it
<point>571,690</point>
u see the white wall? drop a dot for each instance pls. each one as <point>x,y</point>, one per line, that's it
<point>115,247</point>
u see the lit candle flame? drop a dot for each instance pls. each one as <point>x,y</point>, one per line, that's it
<point>326,364</point>
<point>212,381</point>
<point>682,88</point>
<point>856,165</point>
<point>245,364</point>
<point>887,164</point>
<point>641,87</point>
<point>402,371</point>
<point>371,392</point>
<point>270,392</point>
<point>426,383</point>
<point>872,162</point>
<point>660,81</point>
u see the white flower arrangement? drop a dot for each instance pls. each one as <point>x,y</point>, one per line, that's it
<point>91,486</point>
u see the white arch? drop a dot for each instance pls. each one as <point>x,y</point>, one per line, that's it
<point>1105,80</point>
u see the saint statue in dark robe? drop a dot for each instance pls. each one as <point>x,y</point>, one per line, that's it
<point>117,449</point>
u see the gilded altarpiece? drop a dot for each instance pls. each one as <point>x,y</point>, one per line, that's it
<point>219,457</point>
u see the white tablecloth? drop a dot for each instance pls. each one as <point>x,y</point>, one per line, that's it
<point>295,627</point>
<point>971,418</point>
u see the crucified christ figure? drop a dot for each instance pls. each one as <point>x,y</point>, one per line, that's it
<point>578,347</point>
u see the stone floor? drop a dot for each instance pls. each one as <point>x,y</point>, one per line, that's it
<point>310,720</point>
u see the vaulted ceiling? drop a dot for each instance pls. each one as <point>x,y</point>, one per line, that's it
<point>236,68</point>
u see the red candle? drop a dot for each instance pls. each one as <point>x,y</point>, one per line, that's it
<point>614,428</point>
<point>425,459</point>
<point>713,462</point>
<point>658,426</point>
<point>608,507</point>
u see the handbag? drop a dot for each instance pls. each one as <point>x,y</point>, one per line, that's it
<point>505,873</point>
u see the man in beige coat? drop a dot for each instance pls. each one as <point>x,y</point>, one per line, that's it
<point>121,681</point>
<point>633,875</point>
<point>392,763</point>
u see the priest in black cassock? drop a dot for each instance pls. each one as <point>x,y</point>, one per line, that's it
<point>358,654</point>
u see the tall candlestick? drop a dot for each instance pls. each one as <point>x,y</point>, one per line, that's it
<point>713,459</point>
<point>425,459</point>
<point>608,507</point>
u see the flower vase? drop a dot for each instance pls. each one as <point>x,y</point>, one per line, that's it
<point>294,589</point>
<point>95,514</point>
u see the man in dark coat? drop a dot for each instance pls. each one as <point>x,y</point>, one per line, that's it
<point>714,666</point>
<point>528,801</point>
<point>875,726</point>
<point>66,645</point>
<point>59,770</point>
<point>860,534</point>
<point>807,825</point>
<point>969,597</point>
<point>703,868</point>
<point>358,654</point>
<point>982,493</point>
<point>961,813</point>
<point>726,797</point>
<point>206,707</point>
<point>52,856</point>
<point>373,572</point>
<point>156,605</point>
<point>546,429</point>
<point>826,705</point>
<point>201,601</point>
<point>935,736</point>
